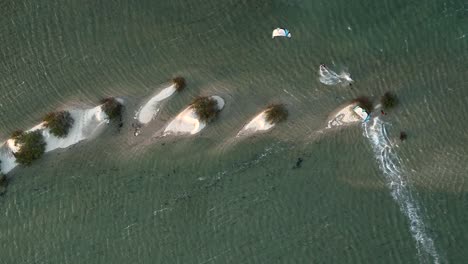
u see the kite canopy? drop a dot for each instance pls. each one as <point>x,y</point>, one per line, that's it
<point>281,32</point>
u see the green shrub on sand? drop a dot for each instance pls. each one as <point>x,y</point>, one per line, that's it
<point>365,103</point>
<point>32,146</point>
<point>59,123</point>
<point>179,83</point>
<point>206,108</point>
<point>276,113</point>
<point>112,108</point>
<point>388,100</point>
<point>16,134</point>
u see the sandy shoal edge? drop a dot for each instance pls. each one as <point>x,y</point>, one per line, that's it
<point>257,124</point>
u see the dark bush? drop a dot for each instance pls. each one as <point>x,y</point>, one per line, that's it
<point>179,82</point>
<point>16,134</point>
<point>365,103</point>
<point>112,108</point>
<point>32,146</point>
<point>389,100</point>
<point>276,113</point>
<point>403,136</point>
<point>206,108</point>
<point>59,123</point>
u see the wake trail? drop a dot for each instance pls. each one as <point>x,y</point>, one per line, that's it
<point>329,77</point>
<point>391,167</point>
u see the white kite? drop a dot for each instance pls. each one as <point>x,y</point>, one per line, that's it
<point>281,32</point>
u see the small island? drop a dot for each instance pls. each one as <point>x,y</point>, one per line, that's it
<point>59,129</point>
<point>195,117</point>
<point>150,109</point>
<point>266,120</point>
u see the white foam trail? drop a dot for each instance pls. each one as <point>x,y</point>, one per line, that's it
<point>329,77</point>
<point>390,165</point>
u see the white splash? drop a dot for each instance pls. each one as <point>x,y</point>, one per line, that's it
<point>329,77</point>
<point>390,165</point>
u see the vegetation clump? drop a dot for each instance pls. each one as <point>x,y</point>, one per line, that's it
<point>365,103</point>
<point>16,134</point>
<point>32,146</point>
<point>112,108</point>
<point>206,108</point>
<point>179,83</point>
<point>59,123</point>
<point>388,100</point>
<point>276,113</point>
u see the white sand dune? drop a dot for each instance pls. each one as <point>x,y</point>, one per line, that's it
<point>344,116</point>
<point>258,123</point>
<point>7,158</point>
<point>187,121</point>
<point>87,123</point>
<point>150,109</point>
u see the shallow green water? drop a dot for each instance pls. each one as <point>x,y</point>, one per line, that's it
<point>209,199</point>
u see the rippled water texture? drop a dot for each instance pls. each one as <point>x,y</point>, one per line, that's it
<point>297,194</point>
